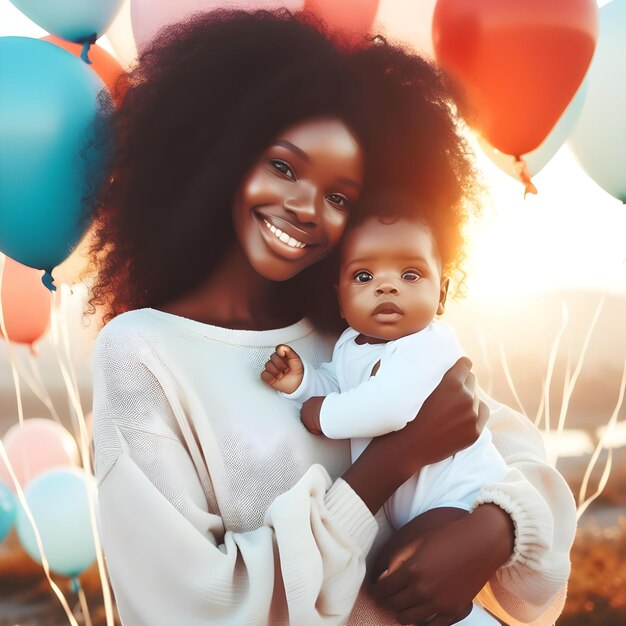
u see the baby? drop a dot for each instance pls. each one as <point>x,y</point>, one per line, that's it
<point>385,365</point>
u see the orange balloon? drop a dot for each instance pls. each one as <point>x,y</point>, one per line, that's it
<point>105,65</point>
<point>25,303</point>
<point>519,61</point>
<point>353,18</point>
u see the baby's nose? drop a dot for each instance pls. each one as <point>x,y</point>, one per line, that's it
<point>386,288</point>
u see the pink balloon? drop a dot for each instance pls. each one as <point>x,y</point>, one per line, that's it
<point>407,22</point>
<point>37,446</point>
<point>148,16</point>
<point>25,303</point>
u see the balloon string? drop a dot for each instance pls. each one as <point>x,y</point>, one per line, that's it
<point>7,462</point>
<point>523,173</point>
<point>78,589</point>
<point>16,378</point>
<point>60,338</point>
<point>44,562</point>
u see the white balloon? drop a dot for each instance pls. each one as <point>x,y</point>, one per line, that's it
<point>599,138</point>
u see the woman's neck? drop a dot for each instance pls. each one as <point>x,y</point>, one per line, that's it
<point>236,296</point>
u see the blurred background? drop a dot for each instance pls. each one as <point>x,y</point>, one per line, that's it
<point>543,317</point>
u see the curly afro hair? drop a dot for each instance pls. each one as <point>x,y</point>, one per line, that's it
<point>206,98</point>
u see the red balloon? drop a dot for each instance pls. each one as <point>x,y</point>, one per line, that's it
<point>353,18</point>
<point>519,61</point>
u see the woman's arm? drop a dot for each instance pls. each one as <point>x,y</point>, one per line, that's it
<point>170,556</point>
<point>517,540</point>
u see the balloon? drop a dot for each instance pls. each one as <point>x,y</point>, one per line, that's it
<point>519,61</point>
<point>121,39</point>
<point>8,510</point>
<point>48,105</point>
<point>353,18</point>
<point>407,22</point>
<point>59,503</point>
<point>102,63</point>
<point>149,16</point>
<point>25,303</point>
<point>599,138</point>
<point>35,447</point>
<point>74,20</point>
<point>539,158</point>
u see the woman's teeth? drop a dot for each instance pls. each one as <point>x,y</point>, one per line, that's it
<point>284,237</point>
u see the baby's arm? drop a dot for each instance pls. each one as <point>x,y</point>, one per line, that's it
<point>388,401</point>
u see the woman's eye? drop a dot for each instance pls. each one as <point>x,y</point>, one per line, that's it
<point>362,277</point>
<point>411,276</point>
<point>283,168</point>
<point>339,200</point>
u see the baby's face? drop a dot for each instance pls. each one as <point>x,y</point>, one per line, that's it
<point>390,281</point>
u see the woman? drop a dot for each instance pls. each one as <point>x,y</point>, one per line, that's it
<point>243,144</point>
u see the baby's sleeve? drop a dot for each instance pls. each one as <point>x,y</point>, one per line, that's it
<point>409,372</point>
<point>170,558</point>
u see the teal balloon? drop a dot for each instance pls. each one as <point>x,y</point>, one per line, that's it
<point>74,20</point>
<point>8,510</point>
<point>599,138</point>
<point>58,501</point>
<point>50,106</point>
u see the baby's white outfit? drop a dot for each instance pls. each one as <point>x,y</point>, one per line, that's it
<point>360,406</point>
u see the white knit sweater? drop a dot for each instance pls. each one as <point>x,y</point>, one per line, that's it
<point>216,506</point>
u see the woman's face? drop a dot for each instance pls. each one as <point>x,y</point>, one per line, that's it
<point>294,203</point>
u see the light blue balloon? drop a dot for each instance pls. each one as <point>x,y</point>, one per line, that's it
<point>48,107</point>
<point>58,500</point>
<point>8,510</point>
<point>74,20</point>
<point>599,138</point>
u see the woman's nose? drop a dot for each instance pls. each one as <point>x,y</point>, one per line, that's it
<point>303,203</point>
<point>386,288</point>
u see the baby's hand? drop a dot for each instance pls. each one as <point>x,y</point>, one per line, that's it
<point>284,370</point>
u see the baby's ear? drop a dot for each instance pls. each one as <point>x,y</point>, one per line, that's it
<point>443,293</point>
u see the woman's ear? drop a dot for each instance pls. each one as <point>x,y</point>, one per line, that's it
<point>443,292</point>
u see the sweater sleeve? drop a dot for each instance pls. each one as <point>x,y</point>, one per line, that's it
<point>531,587</point>
<point>170,558</point>
<point>386,402</point>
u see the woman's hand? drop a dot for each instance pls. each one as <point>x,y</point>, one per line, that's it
<point>447,422</point>
<point>439,572</point>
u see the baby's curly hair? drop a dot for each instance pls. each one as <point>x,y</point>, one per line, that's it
<point>206,98</point>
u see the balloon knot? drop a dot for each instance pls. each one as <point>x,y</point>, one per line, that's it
<point>75,584</point>
<point>48,281</point>
<point>87,41</point>
<point>523,173</point>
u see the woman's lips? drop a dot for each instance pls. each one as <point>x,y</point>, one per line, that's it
<point>289,233</point>
<point>288,242</point>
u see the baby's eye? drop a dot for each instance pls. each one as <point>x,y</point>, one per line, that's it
<point>283,167</point>
<point>339,200</point>
<point>411,276</point>
<point>362,277</point>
